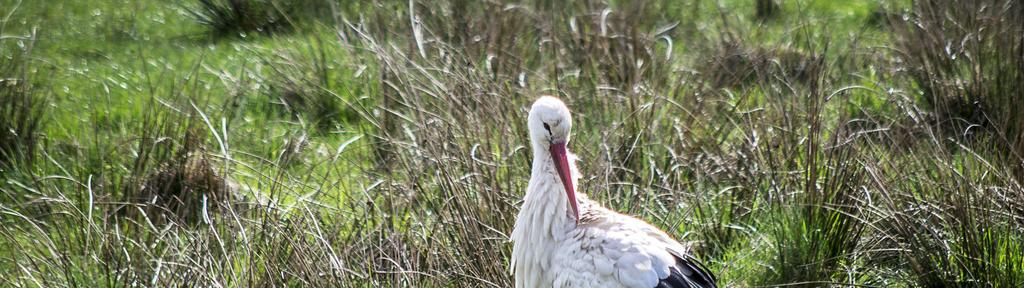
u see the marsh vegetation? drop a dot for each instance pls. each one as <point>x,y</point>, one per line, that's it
<point>322,143</point>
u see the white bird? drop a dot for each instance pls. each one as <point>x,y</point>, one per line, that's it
<point>563,239</point>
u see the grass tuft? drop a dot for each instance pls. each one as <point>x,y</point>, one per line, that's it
<point>185,188</point>
<point>944,218</point>
<point>734,65</point>
<point>966,58</point>
<point>22,106</point>
<point>234,17</point>
<point>174,179</point>
<point>301,82</point>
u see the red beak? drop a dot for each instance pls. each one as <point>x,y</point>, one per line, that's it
<point>562,165</point>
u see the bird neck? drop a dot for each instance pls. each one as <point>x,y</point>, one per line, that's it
<point>545,218</point>
<point>546,195</point>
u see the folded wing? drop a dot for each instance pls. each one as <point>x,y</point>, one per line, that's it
<point>646,257</point>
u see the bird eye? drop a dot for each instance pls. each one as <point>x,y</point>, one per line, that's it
<point>547,127</point>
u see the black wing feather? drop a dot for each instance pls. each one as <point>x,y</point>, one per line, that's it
<point>687,273</point>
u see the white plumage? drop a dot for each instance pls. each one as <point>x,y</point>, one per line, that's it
<point>562,239</point>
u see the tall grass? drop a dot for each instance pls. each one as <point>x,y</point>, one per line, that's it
<point>966,58</point>
<point>21,103</point>
<point>950,219</point>
<point>800,155</point>
<point>301,81</point>
<point>956,210</point>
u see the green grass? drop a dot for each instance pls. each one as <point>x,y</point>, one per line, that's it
<point>340,149</point>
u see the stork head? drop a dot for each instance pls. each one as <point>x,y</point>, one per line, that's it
<point>550,124</point>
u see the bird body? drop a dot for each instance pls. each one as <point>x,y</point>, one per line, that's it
<point>563,239</point>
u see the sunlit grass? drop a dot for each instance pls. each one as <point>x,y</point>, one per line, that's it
<point>360,150</point>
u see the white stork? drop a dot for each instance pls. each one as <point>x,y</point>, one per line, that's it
<point>563,239</point>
